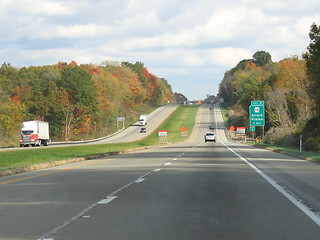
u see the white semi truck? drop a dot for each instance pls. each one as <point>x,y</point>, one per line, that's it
<point>142,120</point>
<point>34,133</point>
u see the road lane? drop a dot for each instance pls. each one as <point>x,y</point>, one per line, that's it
<point>196,196</point>
<point>182,191</point>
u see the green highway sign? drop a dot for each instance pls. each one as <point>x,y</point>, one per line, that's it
<point>256,115</point>
<point>257,103</point>
<point>252,129</point>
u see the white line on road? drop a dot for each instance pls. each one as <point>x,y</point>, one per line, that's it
<point>139,180</point>
<point>292,198</point>
<point>107,200</point>
<point>216,122</point>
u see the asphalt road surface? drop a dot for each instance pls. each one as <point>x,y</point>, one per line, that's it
<point>192,190</point>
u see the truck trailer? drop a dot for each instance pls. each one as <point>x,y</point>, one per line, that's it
<point>143,120</point>
<point>34,133</point>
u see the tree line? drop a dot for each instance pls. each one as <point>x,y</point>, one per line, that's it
<point>290,89</point>
<point>78,101</point>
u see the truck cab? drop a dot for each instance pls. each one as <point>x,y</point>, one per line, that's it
<point>34,133</point>
<point>143,120</point>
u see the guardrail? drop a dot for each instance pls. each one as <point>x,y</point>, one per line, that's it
<point>87,141</point>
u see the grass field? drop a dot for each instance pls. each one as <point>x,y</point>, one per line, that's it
<point>28,158</point>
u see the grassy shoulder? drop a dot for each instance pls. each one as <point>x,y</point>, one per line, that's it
<point>291,151</point>
<point>16,161</point>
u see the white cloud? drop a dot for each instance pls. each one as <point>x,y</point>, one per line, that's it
<point>42,7</point>
<point>273,5</point>
<point>302,26</point>
<point>229,57</point>
<point>222,25</point>
<point>75,31</point>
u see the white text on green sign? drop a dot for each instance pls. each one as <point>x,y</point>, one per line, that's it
<point>257,116</point>
<point>257,103</point>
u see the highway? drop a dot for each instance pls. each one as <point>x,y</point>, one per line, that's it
<point>191,190</point>
<point>131,133</point>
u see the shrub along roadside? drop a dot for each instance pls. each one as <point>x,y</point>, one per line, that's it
<point>32,158</point>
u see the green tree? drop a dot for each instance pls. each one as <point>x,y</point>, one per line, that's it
<point>312,57</point>
<point>261,58</point>
<point>78,98</point>
<point>138,68</point>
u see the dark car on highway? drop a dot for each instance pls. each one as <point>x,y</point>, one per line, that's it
<point>143,130</point>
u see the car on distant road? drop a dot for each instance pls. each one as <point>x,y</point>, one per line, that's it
<point>210,137</point>
<point>143,130</point>
<point>211,127</point>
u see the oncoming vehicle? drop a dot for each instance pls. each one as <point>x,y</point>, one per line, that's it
<point>34,133</point>
<point>210,137</point>
<point>143,130</point>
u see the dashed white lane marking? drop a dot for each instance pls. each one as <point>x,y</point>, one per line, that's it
<point>107,200</point>
<point>292,198</point>
<point>139,180</point>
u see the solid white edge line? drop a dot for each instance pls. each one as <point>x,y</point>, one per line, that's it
<point>295,200</point>
<point>216,122</point>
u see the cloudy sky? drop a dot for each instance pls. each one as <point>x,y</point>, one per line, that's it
<point>190,43</point>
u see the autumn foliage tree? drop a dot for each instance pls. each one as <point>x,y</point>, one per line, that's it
<point>78,101</point>
<point>283,86</point>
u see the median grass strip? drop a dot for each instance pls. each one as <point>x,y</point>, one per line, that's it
<point>184,116</point>
<point>28,158</point>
